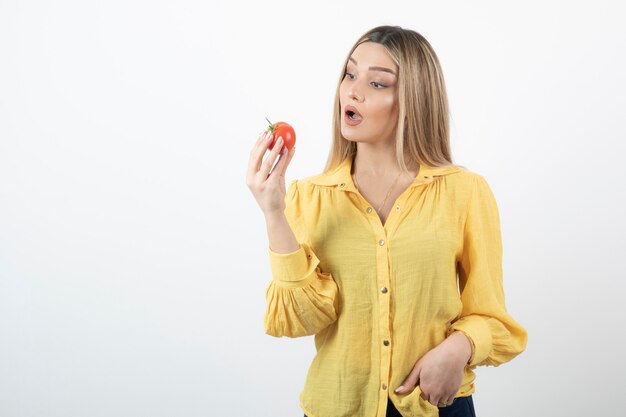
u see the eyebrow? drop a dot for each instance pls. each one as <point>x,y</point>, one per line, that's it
<point>375,68</point>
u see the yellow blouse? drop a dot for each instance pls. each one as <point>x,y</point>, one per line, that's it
<point>378,297</point>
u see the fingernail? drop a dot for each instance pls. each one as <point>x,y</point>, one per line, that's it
<point>400,388</point>
<point>269,135</point>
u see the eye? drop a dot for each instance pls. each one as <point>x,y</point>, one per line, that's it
<point>376,86</point>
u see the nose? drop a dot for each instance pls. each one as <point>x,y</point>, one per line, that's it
<point>353,92</point>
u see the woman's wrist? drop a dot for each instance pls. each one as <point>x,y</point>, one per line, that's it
<point>461,346</point>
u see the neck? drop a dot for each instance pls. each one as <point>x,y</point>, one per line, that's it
<point>378,162</point>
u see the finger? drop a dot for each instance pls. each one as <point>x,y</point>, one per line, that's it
<point>259,140</point>
<point>279,168</point>
<point>290,154</point>
<point>411,381</point>
<point>253,162</point>
<point>261,136</point>
<point>443,400</point>
<point>269,161</point>
<point>424,396</point>
<point>261,148</point>
<point>449,401</point>
<point>256,155</point>
<point>250,171</point>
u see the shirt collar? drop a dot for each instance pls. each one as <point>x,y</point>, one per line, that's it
<point>340,176</point>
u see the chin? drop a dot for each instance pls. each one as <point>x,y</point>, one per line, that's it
<point>348,137</point>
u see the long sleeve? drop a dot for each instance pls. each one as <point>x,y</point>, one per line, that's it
<point>301,299</point>
<point>495,336</point>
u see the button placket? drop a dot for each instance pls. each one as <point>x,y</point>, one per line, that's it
<point>383,280</point>
<point>384,307</point>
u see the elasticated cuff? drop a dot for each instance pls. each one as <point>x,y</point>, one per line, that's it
<point>477,330</point>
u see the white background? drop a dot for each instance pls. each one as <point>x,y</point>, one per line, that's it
<point>133,258</point>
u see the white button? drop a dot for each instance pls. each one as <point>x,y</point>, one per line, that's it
<point>384,386</point>
<point>381,242</point>
<point>369,209</point>
<point>383,290</point>
<point>342,184</point>
<point>397,207</point>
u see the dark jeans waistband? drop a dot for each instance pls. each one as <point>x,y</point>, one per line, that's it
<point>460,407</point>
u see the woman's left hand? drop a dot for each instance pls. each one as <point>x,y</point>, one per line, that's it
<point>440,371</point>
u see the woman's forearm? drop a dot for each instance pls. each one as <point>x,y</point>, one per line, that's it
<point>281,237</point>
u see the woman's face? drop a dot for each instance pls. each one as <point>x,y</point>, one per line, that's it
<point>370,86</point>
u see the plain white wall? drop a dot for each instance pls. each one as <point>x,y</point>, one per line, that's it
<point>133,258</point>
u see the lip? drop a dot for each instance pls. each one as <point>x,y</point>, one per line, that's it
<point>348,119</point>
<point>353,109</point>
<point>351,122</point>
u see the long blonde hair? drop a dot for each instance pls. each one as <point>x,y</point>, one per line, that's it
<point>423,120</point>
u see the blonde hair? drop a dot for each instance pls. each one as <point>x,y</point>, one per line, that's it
<point>423,120</point>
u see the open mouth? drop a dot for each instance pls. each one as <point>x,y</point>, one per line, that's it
<point>353,116</point>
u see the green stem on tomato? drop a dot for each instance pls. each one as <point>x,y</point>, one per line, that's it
<point>272,128</point>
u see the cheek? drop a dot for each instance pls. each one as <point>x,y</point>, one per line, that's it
<point>391,99</point>
<point>388,104</point>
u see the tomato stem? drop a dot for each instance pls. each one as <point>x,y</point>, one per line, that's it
<point>272,128</point>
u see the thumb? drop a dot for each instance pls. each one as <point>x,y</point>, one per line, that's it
<point>411,381</point>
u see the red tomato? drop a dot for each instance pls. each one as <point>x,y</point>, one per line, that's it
<point>285,131</point>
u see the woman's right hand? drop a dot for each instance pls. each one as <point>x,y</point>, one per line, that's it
<point>268,187</point>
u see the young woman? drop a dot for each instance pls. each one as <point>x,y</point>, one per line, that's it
<point>366,255</point>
